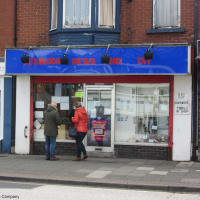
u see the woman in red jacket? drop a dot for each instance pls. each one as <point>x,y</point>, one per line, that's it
<point>80,121</point>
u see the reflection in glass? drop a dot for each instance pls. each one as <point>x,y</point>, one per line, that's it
<point>99,112</point>
<point>65,95</point>
<point>142,113</point>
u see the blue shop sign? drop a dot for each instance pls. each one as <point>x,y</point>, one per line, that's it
<point>123,60</point>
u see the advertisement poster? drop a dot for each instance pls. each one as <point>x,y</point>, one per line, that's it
<point>99,133</point>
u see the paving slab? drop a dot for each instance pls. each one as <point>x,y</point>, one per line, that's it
<point>103,172</point>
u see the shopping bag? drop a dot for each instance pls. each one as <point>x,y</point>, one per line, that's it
<point>72,132</point>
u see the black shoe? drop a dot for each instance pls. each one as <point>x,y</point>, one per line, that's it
<point>85,157</point>
<point>47,158</point>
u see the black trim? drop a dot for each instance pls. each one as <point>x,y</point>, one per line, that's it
<point>195,72</point>
<point>165,30</point>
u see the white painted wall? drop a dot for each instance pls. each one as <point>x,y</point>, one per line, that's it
<point>22,144</point>
<point>182,122</point>
<point>1,106</point>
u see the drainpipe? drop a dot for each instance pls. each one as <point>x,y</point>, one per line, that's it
<point>195,86</point>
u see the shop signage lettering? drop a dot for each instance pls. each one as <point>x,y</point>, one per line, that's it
<point>85,61</point>
<point>81,61</point>
<point>44,61</point>
<point>142,61</point>
<point>92,61</point>
<point>75,61</point>
<point>182,104</point>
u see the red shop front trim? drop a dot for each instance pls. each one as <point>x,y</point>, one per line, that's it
<point>107,79</point>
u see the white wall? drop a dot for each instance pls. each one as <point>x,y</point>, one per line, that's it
<point>182,118</point>
<point>22,144</point>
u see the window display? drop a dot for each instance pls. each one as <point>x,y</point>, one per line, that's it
<point>65,95</point>
<point>143,111</point>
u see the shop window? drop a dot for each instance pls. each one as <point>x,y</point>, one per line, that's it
<point>54,15</point>
<point>65,95</point>
<point>142,113</point>
<point>77,13</point>
<point>166,13</point>
<point>106,13</point>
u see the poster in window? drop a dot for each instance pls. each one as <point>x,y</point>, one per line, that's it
<point>39,104</point>
<point>99,130</point>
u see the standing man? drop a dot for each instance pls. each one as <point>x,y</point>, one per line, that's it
<point>51,123</point>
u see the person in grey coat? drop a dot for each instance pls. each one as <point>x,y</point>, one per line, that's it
<point>51,123</point>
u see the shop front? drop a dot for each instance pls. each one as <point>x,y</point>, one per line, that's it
<point>134,105</point>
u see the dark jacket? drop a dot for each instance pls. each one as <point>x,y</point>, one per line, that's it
<point>51,121</point>
<point>80,120</point>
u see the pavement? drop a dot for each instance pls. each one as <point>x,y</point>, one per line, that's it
<point>103,172</point>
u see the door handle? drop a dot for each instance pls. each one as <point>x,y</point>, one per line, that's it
<point>25,129</point>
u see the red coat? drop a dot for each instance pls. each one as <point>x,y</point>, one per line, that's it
<point>80,120</point>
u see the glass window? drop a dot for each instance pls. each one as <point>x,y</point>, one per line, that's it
<point>99,112</point>
<point>106,13</point>
<point>77,13</point>
<point>54,15</point>
<point>65,95</point>
<point>142,113</point>
<point>166,13</point>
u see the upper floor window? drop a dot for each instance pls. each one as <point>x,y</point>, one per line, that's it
<point>77,13</point>
<point>54,15</point>
<point>106,13</point>
<point>166,13</point>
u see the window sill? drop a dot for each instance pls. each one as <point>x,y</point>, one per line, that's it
<point>141,144</point>
<point>165,30</point>
<point>84,30</point>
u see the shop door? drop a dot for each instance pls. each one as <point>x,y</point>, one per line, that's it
<point>100,109</point>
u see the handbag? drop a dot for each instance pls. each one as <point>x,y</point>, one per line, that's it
<point>72,132</point>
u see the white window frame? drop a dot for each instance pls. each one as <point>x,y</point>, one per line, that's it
<point>52,15</point>
<point>77,26</point>
<point>179,17</point>
<point>114,11</point>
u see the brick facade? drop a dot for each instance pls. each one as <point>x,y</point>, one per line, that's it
<point>120,151</point>
<point>7,25</point>
<point>61,148</point>
<point>32,23</point>
<point>136,18</point>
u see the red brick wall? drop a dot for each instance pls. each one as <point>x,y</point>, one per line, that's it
<point>33,23</point>
<point>137,17</point>
<point>7,25</point>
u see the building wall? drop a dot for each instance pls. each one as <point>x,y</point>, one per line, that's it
<point>22,142</point>
<point>181,126</point>
<point>7,25</point>
<point>32,23</point>
<point>137,18</point>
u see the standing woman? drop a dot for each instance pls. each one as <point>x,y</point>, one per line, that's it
<point>51,123</point>
<point>80,121</point>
